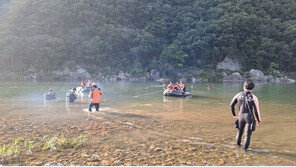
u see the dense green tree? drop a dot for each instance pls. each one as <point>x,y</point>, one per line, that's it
<point>138,35</point>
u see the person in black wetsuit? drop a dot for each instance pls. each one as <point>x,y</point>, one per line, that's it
<point>246,102</point>
<point>71,96</point>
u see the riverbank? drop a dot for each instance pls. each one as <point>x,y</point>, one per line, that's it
<point>193,76</point>
<point>127,139</point>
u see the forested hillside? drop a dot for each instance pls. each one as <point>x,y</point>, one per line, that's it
<point>136,36</point>
<point>4,4</point>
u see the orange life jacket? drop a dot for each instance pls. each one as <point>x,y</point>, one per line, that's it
<point>171,86</point>
<point>95,95</point>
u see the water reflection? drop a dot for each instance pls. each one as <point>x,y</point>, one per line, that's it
<point>173,103</point>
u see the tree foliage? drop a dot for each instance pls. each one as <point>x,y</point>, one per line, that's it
<point>138,35</point>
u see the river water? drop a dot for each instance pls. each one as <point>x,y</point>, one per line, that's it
<point>203,122</point>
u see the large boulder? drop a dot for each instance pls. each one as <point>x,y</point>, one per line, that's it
<point>82,73</point>
<point>257,75</point>
<point>142,79</point>
<point>154,74</point>
<point>229,63</point>
<point>30,77</point>
<point>234,77</point>
<point>124,76</point>
<point>162,80</point>
<point>71,75</point>
<point>284,79</point>
<point>195,80</point>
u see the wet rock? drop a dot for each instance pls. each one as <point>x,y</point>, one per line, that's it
<point>230,63</point>
<point>142,79</point>
<point>159,149</point>
<point>71,75</point>
<point>84,154</point>
<point>257,75</point>
<point>234,77</point>
<point>30,77</point>
<point>82,73</point>
<point>112,78</point>
<point>196,80</point>
<point>152,146</point>
<point>124,76</point>
<point>189,163</point>
<point>162,80</point>
<point>284,79</point>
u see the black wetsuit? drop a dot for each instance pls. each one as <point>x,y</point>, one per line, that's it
<point>245,116</point>
<point>184,89</point>
<point>72,97</point>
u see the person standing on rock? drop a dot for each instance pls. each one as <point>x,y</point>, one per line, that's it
<point>246,102</point>
<point>95,94</point>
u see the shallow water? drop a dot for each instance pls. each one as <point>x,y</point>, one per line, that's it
<point>205,119</point>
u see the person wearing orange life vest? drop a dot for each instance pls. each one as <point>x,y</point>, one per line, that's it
<point>171,86</point>
<point>83,83</point>
<point>95,94</point>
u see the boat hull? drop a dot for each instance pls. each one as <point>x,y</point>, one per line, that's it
<point>176,93</point>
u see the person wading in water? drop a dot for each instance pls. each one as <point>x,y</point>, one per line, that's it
<point>94,94</point>
<point>246,102</point>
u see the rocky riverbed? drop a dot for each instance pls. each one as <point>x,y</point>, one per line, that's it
<point>127,139</point>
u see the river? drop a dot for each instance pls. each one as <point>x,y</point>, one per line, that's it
<point>149,129</point>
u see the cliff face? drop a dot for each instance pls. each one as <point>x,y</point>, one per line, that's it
<point>4,4</point>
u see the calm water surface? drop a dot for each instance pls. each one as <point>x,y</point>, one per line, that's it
<point>210,108</point>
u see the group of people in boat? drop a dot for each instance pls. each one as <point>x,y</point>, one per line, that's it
<point>179,86</point>
<point>95,94</point>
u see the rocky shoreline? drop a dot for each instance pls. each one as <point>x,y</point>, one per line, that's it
<point>153,76</point>
<point>122,141</point>
<point>229,70</point>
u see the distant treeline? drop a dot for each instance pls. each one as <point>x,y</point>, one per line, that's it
<point>136,36</point>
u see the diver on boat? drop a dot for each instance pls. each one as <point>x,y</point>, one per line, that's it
<point>71,96</point>
<point>95,94</point>
<point>246,102</point>
<point>183,87</point>
<point>49,95</point>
